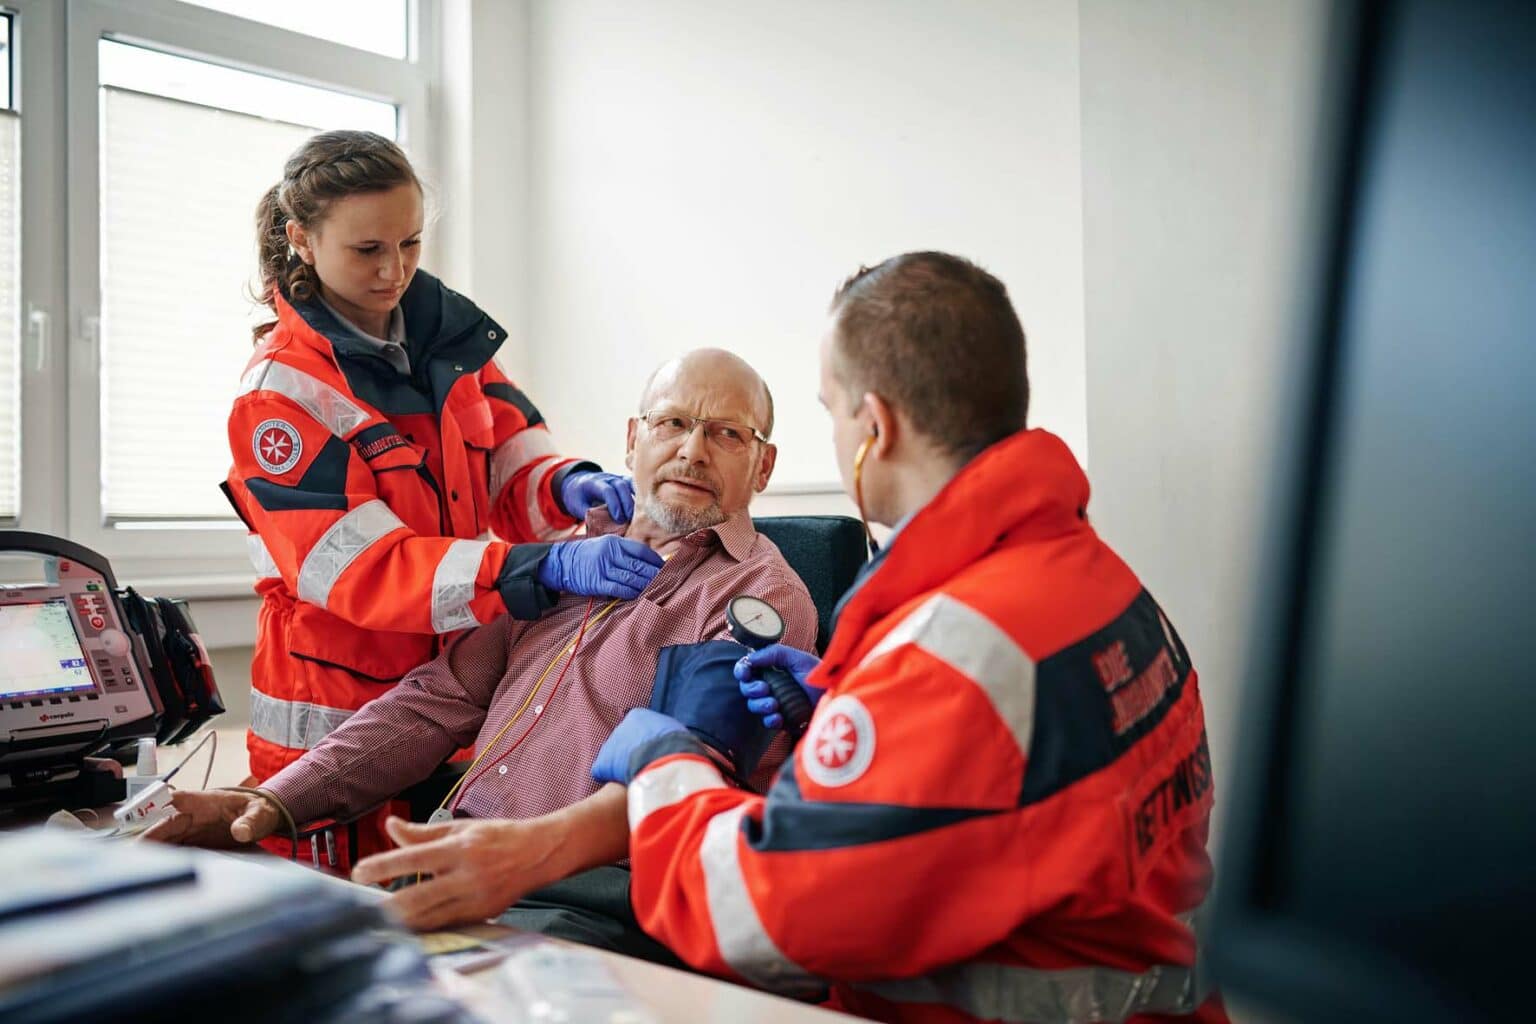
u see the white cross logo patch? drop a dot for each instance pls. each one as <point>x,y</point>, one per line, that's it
<point>837,741</point>
<point>841,743</point>
<point>277,446</point>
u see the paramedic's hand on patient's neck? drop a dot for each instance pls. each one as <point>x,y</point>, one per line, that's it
<point>581,491</point>
<point>610,566</point>
<point>217,819</point>
<point>759,700</point>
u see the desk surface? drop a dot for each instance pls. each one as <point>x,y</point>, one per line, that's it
<point>670,995</point>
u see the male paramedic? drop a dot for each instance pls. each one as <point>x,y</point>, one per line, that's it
<point>999,810</point>
<point>538,698</point>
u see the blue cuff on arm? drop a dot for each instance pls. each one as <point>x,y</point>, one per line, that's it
<point>662,746</point>
<point>557,483</point>
<point>525,597</point>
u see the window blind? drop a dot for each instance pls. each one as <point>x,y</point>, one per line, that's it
<point>179,186</point>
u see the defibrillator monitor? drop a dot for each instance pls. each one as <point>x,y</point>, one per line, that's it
<point>71,675</point>
<point>40,652</point>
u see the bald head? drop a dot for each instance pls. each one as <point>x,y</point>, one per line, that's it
<point>688,476</point>
<point>716,378</point>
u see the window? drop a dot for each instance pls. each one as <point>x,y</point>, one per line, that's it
<point>382,26</point>
<point>145,268</point>
<point>187,148</point>
<point>10,285</point>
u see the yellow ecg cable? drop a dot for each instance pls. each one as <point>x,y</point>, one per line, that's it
<point>567,648</point>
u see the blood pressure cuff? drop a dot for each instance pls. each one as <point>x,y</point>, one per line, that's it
<point>694,684</point>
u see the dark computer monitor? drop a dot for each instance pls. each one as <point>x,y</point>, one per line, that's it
<point>1380,857</point>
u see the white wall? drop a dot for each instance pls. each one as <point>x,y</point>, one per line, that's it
<point>1199,141</point>
<point>232,671</point>
<point>480,202</point>
<point>706,173</point>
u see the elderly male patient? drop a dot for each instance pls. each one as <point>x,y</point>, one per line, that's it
<point>537,715</point>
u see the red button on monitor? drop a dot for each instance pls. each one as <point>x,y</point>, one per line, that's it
<point>97,621</point>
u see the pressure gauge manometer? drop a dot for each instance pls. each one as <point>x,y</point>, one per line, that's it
<point>755,623</point>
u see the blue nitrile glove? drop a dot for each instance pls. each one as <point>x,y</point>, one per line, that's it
<point>760,701</point>
<point>584,489</point>
<point>639,727</point>
<point>610,566</point>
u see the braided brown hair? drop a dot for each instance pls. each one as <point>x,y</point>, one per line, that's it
<point>327,167</point>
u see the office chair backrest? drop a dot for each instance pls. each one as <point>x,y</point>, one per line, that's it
<point>826,552</point>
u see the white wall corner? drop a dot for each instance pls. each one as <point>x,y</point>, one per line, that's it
<point>1200,134</point>
<point>481,203</point>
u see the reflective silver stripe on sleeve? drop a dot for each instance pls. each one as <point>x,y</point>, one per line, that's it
<point>453,586</point>
<point>541,528</point>
<point>674,781</point>
<point>293,723</point>
<point>516,452</point>
<point>347,538</point>
<point>739,932</point>
<point>974,646</point>
<point>1076,995</point>
<point>327,405</point>
<point>261,559</point>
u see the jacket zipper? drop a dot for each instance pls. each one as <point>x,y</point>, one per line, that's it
<point>442,507</point>
<point>418,374</point>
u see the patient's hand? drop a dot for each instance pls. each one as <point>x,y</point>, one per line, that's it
<point>218,819</point>
<point>478,868</point>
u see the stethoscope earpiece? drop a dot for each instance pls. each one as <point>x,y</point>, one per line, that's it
<point>858,488</point>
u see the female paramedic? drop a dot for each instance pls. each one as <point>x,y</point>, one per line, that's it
<point>378,449</point>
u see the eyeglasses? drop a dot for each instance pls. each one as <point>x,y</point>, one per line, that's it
<point>666,425</point>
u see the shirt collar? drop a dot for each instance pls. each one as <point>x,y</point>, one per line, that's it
<point>737,534</point>
<point>901,524</point>
<point>396,326</point>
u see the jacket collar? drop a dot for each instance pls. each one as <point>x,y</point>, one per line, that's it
<point>434,315</point>
<point>1027,486</point>
<point>449,336</point>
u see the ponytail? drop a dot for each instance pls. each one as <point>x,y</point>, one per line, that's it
<point>280,268</point>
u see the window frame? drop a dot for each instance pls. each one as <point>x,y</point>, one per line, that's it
<point>207,558</point>
<point>37,82</point>
<point>11,108</point>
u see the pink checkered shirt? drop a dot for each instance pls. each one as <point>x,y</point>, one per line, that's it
<point>469,693</point>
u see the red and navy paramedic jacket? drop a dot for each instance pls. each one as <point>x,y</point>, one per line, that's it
<point>1000,809</point>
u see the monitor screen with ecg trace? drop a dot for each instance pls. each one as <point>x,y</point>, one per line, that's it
<point>40,652</point>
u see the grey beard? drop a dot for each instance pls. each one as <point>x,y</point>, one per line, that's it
<point>680,520</point>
